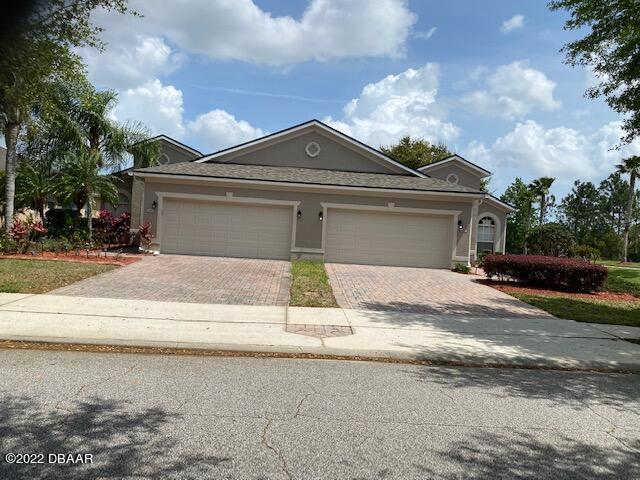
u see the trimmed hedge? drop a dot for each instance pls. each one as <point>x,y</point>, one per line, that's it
<point>553,272</point>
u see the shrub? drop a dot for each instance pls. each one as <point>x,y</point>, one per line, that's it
<point>121,228</point>
<point>110,229</point>
<point>554,272</point>
<point>551,239</point>
<point>60,222</point>
<point>7,244</point>
<point>461,268</point>
<point>102,226</point>
<point>586,252</point>
<point>144,231</point>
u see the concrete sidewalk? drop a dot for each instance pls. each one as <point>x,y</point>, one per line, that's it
<point>543,342</point>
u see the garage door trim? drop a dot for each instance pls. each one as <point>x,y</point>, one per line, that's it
<point>229,199</point>
<point>455,214</point>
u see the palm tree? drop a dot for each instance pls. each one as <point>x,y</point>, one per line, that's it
<point>85,128</point>
<point>540,189</point>
<point>88,124</point>
<point>34,185</point>
<point>80,181</point>
<point>631,166</point>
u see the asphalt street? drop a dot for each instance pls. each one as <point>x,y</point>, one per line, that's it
<point>164,417</point>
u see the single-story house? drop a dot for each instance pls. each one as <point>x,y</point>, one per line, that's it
<point>311,191</point>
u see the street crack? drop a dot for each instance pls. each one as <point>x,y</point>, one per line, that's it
<point>265,442</point>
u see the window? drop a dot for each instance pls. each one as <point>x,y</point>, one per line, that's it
<point>164,159</point>
<point>486,234</point>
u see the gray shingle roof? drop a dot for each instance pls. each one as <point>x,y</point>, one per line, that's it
<point>307,175</point>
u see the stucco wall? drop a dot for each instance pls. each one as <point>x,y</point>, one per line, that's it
<point>309,227</point>
<point>290,152</point>
<point>464,177</point>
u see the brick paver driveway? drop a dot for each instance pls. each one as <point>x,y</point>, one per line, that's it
<point>181,278</point>
<point>421,290</point>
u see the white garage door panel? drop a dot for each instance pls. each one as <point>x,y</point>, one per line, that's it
<point>205,228</point>
<point>398,239</point>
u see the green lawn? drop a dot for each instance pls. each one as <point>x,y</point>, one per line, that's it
<point>623,280</point>
<point>616,263</point>
<point>40,276</point>
<point>620,280</point>
<point>310,285</point>
<point>594,311</point>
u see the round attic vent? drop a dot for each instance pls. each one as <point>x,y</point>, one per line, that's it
<point>312,149</point>
<point>453,179</point>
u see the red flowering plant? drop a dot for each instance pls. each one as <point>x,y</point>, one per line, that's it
<point>101,226</point>
<point>144,231</point>
<point>18,231</point>
<point>121,228</point>
<point>26,229</point>
<point>108,229</point>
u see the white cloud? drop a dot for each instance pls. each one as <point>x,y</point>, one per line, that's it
<point>514,23</point>
<point>512,91</point>
<point>426,35</point>
<point>218,129</point>
<point>240,30</point>
<point>530,151</point>
<point>403,104</point>
<point>157,106</point>
<point>130,59</point>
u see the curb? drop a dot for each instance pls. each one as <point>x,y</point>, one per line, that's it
<point>254,351</point>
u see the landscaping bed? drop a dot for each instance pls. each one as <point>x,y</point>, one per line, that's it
<point>310,285</point>
<point>18,275</point>
<point>95,256</point>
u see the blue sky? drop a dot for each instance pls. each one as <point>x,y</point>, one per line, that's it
<point>486,78</point>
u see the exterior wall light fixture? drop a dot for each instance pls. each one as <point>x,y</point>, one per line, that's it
<point>154,205</point>
<point>460,225</point>
<point>299,214</point>
<point>320,215</point>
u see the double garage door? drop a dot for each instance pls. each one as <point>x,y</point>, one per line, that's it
<point>374,238</point>
<point>226,230</point>
<point>264,231</point>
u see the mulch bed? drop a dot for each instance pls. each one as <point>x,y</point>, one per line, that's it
<point>512,287</point>
<point>95,256</point>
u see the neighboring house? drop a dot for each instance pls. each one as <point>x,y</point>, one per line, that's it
<point>311,191</point>
<point>171,151</point>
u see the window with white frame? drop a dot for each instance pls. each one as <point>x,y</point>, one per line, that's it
<point>486,234</point>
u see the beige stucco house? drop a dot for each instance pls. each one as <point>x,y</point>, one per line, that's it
<point>311,191</point>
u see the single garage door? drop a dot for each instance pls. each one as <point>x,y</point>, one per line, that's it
<point>225,230</point>
<point>398,239</point>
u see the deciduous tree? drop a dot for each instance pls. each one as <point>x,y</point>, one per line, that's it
<point>611,48</point>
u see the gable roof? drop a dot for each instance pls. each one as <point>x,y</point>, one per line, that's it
<point>326,128</point>
<point>174,142</point>
<point>296,175</point>
<point>481,172</point>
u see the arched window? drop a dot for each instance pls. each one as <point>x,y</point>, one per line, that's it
<point>164,159</point>
<point>486,234</point>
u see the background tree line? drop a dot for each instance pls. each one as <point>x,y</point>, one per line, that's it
<point>605,218</point>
